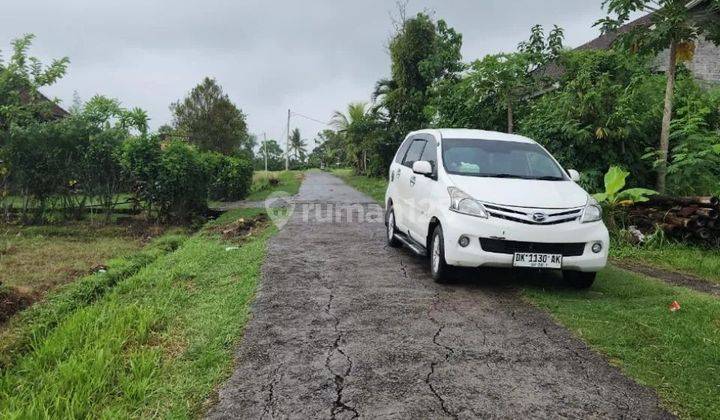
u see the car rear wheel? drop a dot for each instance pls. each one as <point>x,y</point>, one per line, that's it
<point>390,232</point>
<point>439,269</point>
<point>579,279</point>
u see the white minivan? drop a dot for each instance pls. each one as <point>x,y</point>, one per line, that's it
<point>472,198</point>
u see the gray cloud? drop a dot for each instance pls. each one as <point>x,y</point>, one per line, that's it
<point>311,56</point>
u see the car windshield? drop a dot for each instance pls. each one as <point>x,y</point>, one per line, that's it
<point>499,159</point>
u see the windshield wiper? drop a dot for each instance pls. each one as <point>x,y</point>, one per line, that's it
<point>549,178</point>
<point>506,176</point>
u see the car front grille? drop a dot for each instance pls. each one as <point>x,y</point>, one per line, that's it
<point>527,216</point>
<point>501,246</point>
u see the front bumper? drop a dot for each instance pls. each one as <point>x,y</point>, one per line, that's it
<point>475,228</point>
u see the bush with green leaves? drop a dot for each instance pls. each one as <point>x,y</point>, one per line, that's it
<point>44,165</point>
<point>102,174</point>
<point>140,161</point>
<point>229,178</point>
<point>615,196</point>
<point>181,187</point>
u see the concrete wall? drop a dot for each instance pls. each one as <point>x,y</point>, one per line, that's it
<point>705,64</point>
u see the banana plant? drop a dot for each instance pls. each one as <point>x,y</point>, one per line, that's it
<point>614,195</point>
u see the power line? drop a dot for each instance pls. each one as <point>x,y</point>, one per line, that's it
<point>310,118</point>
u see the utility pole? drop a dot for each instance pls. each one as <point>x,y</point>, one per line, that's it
<point>287,143</point>
<point>265,149</point>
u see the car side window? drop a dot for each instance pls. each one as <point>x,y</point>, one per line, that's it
<point>430,153</point>
<point>403,149</point>
<point>414,152</point>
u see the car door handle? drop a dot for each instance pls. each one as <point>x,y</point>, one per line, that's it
<point>412,180</point>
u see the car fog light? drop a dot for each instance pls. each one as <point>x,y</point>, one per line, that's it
<point>597,247</point>
<point>464,241</point>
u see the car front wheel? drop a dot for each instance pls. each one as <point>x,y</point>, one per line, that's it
<point>439,269</point>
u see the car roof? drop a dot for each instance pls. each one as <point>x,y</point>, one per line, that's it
<point>465,133</point>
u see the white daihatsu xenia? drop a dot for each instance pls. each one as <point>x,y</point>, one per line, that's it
<point>473,198</point>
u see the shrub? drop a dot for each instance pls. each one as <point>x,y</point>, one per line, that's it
<point>140,161</point>
<point>102,169</point>
<point>44,163</point>
<point>230,178</point>
<point>180,189</point>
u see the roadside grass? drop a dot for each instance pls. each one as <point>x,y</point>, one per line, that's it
<point>262,186</point>
<point>32,325</point>
<point>688,259</point>
<point>373,187</point>
<point>626,317</point>
<point>156,345</point>
<point>34,259</point>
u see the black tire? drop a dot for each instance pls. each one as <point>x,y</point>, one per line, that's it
<point>579,279</point>
<point>439,270</point>
<point>392,241</point>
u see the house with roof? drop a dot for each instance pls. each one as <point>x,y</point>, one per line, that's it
<point>705,64</point>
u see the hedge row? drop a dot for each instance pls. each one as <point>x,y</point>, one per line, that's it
<point>61,169</point>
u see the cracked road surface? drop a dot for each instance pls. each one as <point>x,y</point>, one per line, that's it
<point>344,327</point>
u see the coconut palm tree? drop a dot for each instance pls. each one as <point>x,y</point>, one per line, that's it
<point>298,145</point>
<point>353,126</point>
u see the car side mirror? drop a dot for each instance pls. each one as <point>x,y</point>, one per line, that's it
<point>574,175</point>
<point>422,167</point>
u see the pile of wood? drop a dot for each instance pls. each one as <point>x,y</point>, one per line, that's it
<point>693,219</point>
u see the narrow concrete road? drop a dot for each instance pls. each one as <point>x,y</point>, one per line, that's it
<point>344,327</point>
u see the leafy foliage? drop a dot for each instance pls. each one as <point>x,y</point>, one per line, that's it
<point>614,193</point>
<point>674,26</point>
<point>230,178</point>
<point>21,77</point>
<point>180,189</point>
<point>208,119</point>
<point>275,156</point>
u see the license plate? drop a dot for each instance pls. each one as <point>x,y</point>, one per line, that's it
<point>535,260</point>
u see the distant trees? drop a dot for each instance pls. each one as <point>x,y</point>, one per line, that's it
<point>207,118</point>
<point>274,153</point>
<point>674,28</point>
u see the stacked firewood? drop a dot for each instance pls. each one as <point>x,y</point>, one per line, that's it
<point>693,219</point>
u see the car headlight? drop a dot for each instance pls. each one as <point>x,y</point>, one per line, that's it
<point>592,212</point>
<point>463,203</point>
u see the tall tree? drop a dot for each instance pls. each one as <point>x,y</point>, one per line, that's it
<point>422,51</point>
<point>297,145</point>
<point>356,126</point>
<point>209,119</point>
<point>674,28</point>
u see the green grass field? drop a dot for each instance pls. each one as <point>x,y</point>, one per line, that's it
<point>287,181</point>
<point>34,259</point>
<point>154,344</point>
<point>626,317</point>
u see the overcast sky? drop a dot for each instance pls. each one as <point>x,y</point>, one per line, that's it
<point>312,56</point>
